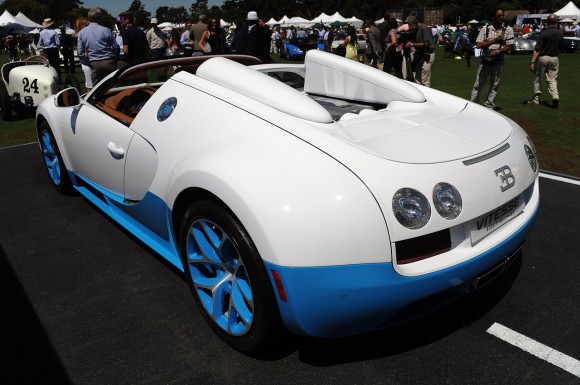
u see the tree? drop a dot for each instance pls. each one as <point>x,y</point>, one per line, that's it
<point>172,14</point>
<point>198,8</point>
<point>141,15</point>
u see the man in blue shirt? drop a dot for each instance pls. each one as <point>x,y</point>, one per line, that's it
<point>50,42</point>
<point>99,44</point>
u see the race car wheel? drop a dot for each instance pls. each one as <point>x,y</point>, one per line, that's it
<point>5,107</point>
<point>228,278</point>
<point>72,81</point>
<point>53,160</point>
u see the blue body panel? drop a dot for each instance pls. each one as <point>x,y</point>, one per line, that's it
<point>149,219</point>
<point>339,301</point>
<point>326,301</point>
<point>294,51</point>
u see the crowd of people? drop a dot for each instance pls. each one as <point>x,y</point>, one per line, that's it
<point>404,49</point>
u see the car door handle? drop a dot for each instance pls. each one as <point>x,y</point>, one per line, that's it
<point>117,151</point>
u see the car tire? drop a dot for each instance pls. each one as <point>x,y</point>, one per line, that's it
<point>72,81</point>
<point>227,277</point>
<point>53,160</point>
<point>5,106</point>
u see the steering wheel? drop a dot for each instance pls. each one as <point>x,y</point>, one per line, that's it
<point>36,59</point>
<point>137,100</point>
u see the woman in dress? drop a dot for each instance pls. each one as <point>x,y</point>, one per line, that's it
<point>350,44</point>
<point>212,40</point>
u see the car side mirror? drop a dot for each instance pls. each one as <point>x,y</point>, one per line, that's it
<point>68,98</point>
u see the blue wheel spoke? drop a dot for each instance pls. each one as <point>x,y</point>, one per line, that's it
<point>219,277</point>
<point>54,171</point>
<point>206,248</point>
<point>46,142</point>
<point>244,308</point>
<point>50,158</point>
<point>220,295</point>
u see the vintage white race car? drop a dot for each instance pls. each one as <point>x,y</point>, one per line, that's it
<point>326,198</point>
<point>25,84</point>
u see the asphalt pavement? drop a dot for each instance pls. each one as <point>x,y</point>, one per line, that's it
<point>84,302</point>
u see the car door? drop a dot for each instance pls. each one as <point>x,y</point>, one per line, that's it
<point>97,147</point>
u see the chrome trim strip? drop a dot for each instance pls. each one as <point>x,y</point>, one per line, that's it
<point>487,156</point>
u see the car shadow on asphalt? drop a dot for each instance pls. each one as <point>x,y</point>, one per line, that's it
<point>390,341</point>
<point>27,354</point>
<point>411,335</point>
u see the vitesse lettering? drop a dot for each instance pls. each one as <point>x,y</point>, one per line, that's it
<point>496,217</point>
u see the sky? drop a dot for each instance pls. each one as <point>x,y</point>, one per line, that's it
<point>114,7</point>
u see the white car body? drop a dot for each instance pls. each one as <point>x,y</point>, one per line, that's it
<point>26,84</point>
<point>311,173</point>
<point>35,81</point>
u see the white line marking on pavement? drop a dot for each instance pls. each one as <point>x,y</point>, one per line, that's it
<point>539,350</point>
<point>560,178</point>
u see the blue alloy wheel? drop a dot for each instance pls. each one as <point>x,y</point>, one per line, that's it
<point>50,157</point>
<point>227,277</point>
<point>220,277</point>
<point>53,160</point>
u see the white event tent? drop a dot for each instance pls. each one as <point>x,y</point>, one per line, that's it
<point>570,10</point>
<point>9,24</point>
<point>7,19</point>
<point>25,21</point>
<point>354,21</point>
<point>322,18</point>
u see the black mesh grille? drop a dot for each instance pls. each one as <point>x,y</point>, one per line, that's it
<point>416,249</point>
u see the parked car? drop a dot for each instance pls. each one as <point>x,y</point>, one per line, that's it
<point>329,207</point>
<point>362,42</point>
<point>571,44</point>
<point>523,45</point>
<point>296,47</point>
<point>360,39</point>
<point>338,39</point>
<point>25,84</point>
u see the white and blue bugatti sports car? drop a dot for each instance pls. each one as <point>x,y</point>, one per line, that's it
<point>326,199</point>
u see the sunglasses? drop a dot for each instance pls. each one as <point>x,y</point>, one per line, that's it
<point>500,15</point>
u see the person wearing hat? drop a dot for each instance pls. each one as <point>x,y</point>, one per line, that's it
<point>99,45</point>
<point>258,38</point>
<point>49,41</point>
<point>156,40</point>
<point>197,31</point>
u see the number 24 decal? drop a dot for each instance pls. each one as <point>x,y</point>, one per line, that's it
<point>30,85</point>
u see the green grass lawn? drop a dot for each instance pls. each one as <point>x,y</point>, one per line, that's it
<point>554,132</point>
